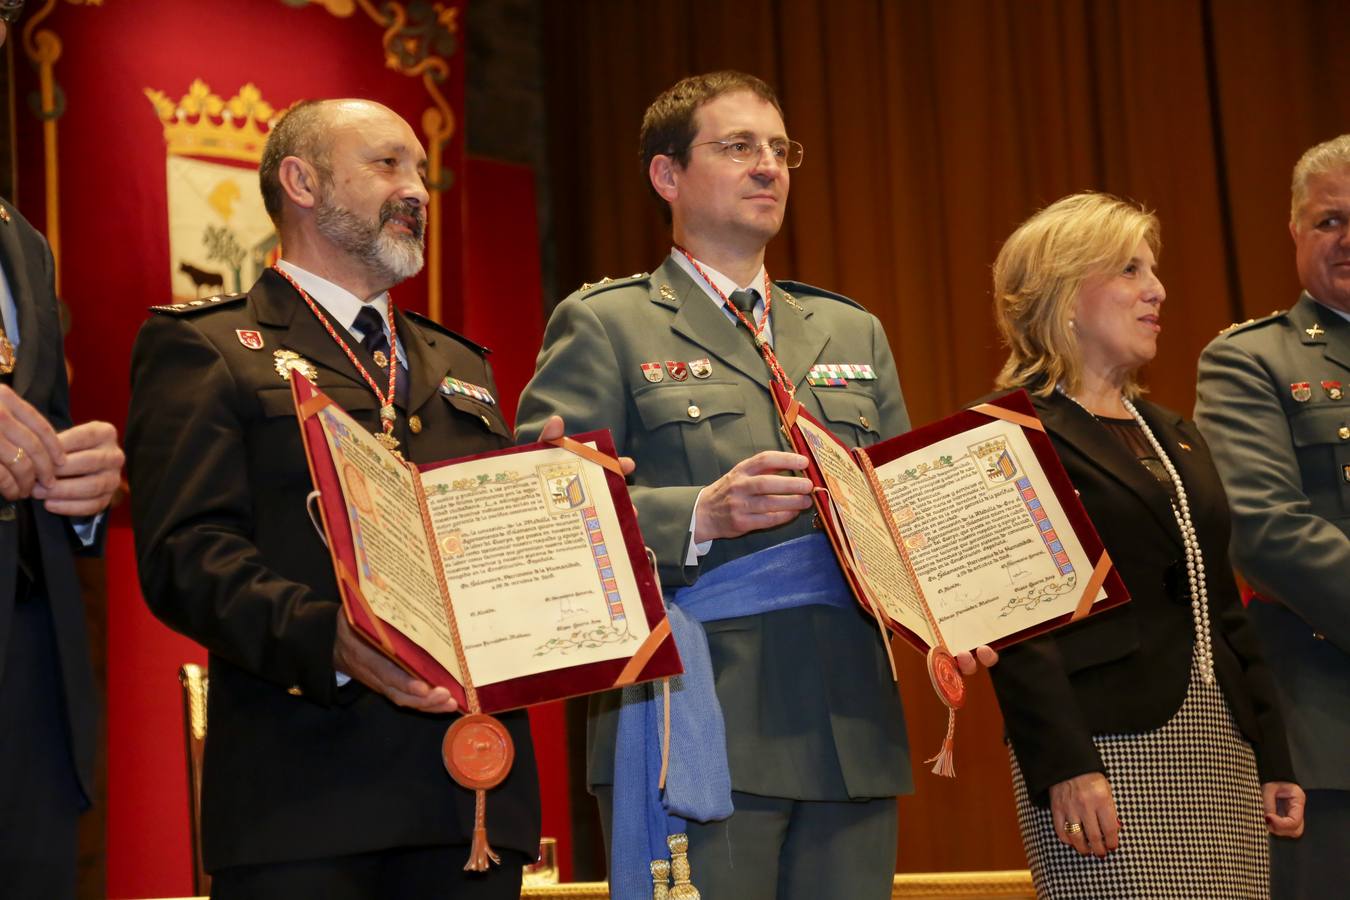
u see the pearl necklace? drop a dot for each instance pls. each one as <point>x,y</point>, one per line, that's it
<point>1195,562</point>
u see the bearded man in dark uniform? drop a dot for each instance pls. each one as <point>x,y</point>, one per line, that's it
<point>323,774</point>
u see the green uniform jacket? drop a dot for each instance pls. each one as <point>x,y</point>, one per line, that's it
<point>811,710</point>
<point>1285,462</point>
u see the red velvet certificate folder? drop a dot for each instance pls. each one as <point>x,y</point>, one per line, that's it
<point>1013,407</point>
<point>656,657</point>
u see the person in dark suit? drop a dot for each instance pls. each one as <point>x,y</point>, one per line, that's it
<point>1271,400</point>
<point>55,481</point>
<point>322,773</point>
<point>815,737</point>
<point>1149,752</point>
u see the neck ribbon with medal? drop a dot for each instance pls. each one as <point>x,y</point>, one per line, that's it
<point>477,749</point>
<point>387,412</point>
<point>942,669</point>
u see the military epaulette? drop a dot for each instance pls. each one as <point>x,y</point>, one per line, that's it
<point>441,329</point>
<point>201,304</point>
<point>1239,327</point>
<point>591,289</point>
<point>792,288</point>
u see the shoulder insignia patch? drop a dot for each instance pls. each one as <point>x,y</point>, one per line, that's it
<point>201,304</point>
<point>437,327</point>
<point>1238,327</point>
<point>607,283</point>
<point>800,289</point>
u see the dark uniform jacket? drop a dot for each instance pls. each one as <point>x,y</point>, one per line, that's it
<point>295,767</point>
<point>1126,670</point>
<point>811,710</point>
<point>1273,402</point>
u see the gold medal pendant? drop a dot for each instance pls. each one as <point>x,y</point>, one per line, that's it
<point>7,355</point>
<point>386,437</point>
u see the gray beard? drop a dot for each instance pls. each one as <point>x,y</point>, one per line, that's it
<point>393,258</point>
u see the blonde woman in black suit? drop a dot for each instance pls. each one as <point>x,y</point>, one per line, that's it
<point>1149,755</point>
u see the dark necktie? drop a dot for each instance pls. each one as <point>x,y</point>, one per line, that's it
<point>745,302</point>
<point>373,338</point>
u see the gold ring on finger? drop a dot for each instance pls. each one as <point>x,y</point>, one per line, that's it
<point>17,456</point>
<point>1073,827</point>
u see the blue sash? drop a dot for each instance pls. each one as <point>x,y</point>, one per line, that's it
<point>799,572</point>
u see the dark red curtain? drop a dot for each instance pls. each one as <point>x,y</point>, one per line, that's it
<point>932,127</point>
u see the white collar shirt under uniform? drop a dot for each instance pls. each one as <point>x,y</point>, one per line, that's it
<point>9,311</point>
<point>341,303</point>
<point>727,287</point>
<point>343,306</point>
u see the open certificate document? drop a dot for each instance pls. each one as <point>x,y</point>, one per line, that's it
<point>961,533</point>
<point>521,571</point>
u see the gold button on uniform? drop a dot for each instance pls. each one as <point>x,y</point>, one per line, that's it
<point>1344,433</point>
<point>415,424</point>
<point>694,411</point>
<point>862,420</point>
<point>294,690</point>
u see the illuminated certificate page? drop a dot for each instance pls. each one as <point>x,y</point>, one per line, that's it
<point>394,562</point>
<point>872,548</point>
<point>535,562</point>
<point>988,539</point>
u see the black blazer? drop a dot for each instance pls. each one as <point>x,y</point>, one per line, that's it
<point>39,377</point>
<point>1127,669</point>
<point>295,768</point>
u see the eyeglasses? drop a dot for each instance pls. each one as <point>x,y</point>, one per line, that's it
<point>787,153</point>
<point>10,10</point>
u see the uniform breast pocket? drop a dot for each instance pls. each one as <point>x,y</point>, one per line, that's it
<point>1322,441</point>
<point>851,415</point>
<point>489,415</point>
<point>276,435</point>
<point>703,422</point>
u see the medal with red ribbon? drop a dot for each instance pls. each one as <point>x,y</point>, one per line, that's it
<point>756,329</point>
<point>386,397</point>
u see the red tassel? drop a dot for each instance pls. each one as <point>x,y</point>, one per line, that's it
<point>944,763</point>
<point>480,855</point>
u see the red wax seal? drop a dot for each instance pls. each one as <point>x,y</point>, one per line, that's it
<point>478,752</point>
<point>947,680</point>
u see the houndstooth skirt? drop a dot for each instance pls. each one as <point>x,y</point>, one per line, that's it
<point>1190,800</point>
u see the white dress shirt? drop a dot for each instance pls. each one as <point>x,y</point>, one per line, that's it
<point>727,287</point>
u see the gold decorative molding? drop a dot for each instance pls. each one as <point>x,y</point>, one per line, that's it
<point>1014,883</point>
<point>195,685</point>
<point>43,48</point>
<point>203,123</point>
<point>418,38</point>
